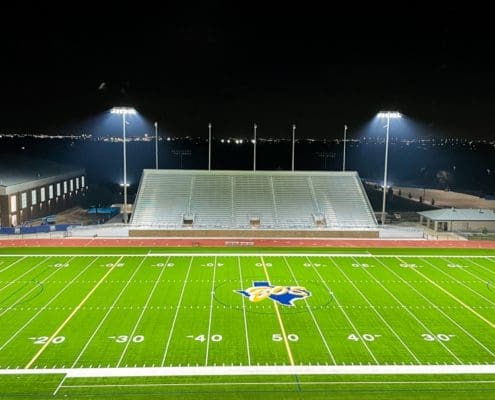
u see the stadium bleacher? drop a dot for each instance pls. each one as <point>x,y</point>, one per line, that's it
<point>243,199</point>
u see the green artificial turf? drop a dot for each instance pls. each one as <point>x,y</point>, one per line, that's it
<point>108,308</point>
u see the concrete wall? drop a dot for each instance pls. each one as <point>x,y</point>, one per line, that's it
<point>473,226</point>
<point>252,233</point>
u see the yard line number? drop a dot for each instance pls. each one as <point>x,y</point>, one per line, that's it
<point>203,338</point>
<point>442,337</point>
<point>44,339</point>
<point>126,338</point>
<point>291,337</point>
<point>362,265</point>
<point>367,337</point>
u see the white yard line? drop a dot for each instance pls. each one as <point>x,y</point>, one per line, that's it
<point>212,295</point>
<point>244,313</point>
<point>260,370</point>
<point>176,312</point>
<point>440,310</point>
<point>254,254</point>
<point>482,266</point>
<point>278,383</point>
<point>25,273</point>
<point>279,317</point>
<point>312,315</point>
<point>467,271</point>
<point>356,331</point>
<point>19,300</point>
<point>12,264</point>
<point>467,307</point>
<point>142,313</point>
<point>392,330</point>
<point>460,283</point>
<point>71,315</point>
<point>415,317</point>
<point>102,321</point>
<point>14,335</point>
<point>59,385</point>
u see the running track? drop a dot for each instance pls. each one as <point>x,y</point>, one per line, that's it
<point>188,242</point>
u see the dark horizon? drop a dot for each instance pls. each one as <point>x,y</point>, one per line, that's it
<point>234,67</point>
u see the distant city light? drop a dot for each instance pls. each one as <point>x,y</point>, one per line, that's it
<point>123,110</point>
<point>222,141</point>
<point>389,114</point>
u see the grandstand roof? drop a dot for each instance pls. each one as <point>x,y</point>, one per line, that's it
<point>459,214</point>
<point>21,173</point>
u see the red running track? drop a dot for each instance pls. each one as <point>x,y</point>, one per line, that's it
<point>195,242</point>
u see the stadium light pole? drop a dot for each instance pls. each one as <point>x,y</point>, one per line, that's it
<point>209,146</point>
<point>156,145</point>
<point>124,111</point>
<point>293,145</point>
<point>387,115</point>
<point>345,141</point>
<point>254,143</point>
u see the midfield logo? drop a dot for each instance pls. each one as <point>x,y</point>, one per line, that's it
<point>285,295</point>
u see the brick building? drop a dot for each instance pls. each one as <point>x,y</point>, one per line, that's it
<point>31,189</point>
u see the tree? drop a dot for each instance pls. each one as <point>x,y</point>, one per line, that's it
<point>432,202</point>
<point>420,199</point>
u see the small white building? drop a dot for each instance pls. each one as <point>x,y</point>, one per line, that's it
<point>458,219</point>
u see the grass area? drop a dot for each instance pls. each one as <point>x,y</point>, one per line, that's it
<point>121,308</point>
<point>364,387</point>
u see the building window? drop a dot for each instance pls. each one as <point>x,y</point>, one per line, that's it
<point>24,200</point>
<point>65,187</point>
<point>77,183</point>
<point>82,181</point>
<point>42,194</point>
<point>13,203</point>
<point>33,197</point>
<point>58,190</point>
<point>50,192</point>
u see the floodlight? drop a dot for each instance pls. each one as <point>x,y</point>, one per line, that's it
<point>123,110</point>
<point>389,114</point>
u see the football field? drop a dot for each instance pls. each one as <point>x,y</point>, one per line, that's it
<point>92,322</point>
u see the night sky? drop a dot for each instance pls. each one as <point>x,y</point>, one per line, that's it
<point>234,65</point>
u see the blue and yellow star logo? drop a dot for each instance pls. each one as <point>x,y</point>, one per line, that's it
<point>284,295</point>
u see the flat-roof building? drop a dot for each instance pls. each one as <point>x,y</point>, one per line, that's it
<point>459,219</point>
<point>34,188</point>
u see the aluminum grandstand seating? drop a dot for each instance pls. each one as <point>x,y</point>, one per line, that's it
<point>242,199</point>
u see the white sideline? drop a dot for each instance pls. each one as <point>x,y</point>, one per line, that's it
<point>260,370</point>
<point>253,254</point>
